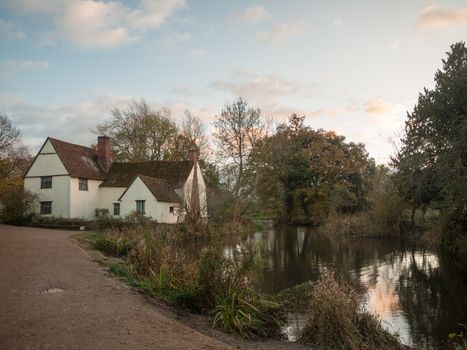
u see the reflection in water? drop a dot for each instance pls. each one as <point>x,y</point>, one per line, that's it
<point>417,293</point>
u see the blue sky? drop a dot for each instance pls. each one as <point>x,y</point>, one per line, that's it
<point>355,67</point>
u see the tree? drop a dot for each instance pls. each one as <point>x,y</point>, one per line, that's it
<point>238,129</point>
<point>303,173</point>
<point>431,165</point>
<point>192,134</point>
<point>14,160</point>
<point>14,157</point>
<point>140,133</point>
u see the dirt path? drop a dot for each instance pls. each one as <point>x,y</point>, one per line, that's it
<point>53,296</point>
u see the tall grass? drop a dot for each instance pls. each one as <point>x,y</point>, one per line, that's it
<point>336,320</point>
<point>212,279</point>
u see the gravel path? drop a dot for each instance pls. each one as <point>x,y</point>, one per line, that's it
<point>53,296</point>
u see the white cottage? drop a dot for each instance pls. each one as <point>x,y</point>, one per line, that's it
<point>71,181</point>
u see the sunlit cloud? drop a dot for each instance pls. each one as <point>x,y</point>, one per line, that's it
<point>100,24</point>
<point>262,89</point>
<point>434,17</point>
<point>378,106</point>
<point>252,14</point>
<point>282,31</point>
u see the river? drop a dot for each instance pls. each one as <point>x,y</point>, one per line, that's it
<point>417,293</point>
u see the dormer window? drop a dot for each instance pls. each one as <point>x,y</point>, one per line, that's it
<point>83,184</point>
<point>46,181</point>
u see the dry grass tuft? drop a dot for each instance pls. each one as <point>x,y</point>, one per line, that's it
<point>336,320</point>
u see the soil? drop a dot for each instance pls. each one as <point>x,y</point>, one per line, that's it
<point>53,295</point>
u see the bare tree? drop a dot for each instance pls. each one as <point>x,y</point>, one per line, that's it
<point>238,129</point>
<point>14,157</point>
<point>140,133</point>
<point>194,130</point>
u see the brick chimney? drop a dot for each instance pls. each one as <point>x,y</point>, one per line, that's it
<point>103,152</point>
<point>193,154</point>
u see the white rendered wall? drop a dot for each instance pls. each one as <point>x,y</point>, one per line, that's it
<point>84,203</point>
<point>59,194</point>
<point>158,211</point>
<point>47,163</point>
<point>108,196</point>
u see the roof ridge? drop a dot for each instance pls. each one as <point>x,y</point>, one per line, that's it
<point>152,178</point>
<point>153,161</point>
<point>69,143</point>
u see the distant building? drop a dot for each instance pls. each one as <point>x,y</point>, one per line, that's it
<point>71,181</point>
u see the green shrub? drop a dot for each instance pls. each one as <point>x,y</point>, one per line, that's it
<point>16,206</point>
<point>235,313</point>
<point>223,271</point>
<point>114,243</point>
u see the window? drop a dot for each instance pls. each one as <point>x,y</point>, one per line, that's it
<point>171,210</point>
<point>116,208</point>
<point>140,207</point>
<point>46,181</point>
<point>83,184</point>
<point>46,208</point>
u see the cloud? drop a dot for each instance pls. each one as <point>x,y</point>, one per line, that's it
<point>76,120</point>
<point>95,24</point>
<point>379,106</point>
<point>434,17</point>
<point>98,23</point>
<point>175,40</point>
<point>275,95</point>
<point>154,13</point>
<point>12,66</point>
<point>73,121</point>
<point>9,31</point>
<point>260,88</point>
<point>338,23</point>
<point>34,6</point>
<point>252,14</point>
<point>198,53</point>
<point>395,44</point>
<point>282,31</point>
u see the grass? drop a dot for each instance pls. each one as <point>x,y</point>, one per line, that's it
<point>336,320</point>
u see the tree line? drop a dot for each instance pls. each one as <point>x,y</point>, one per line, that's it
<point>297,174</point>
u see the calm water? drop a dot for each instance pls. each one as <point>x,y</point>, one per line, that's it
<point>418,293</point>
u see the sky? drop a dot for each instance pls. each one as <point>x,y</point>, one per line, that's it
<point>355,67</point>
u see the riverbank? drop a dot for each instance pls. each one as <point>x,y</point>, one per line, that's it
<point>198,322</point>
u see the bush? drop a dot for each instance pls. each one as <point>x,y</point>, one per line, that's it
<point>336,320</point>
<point>114,244</point>
<point>16,206</point>
<point>221,273</point>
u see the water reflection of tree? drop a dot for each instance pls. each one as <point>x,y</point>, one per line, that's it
<point>424,291</point>
<point>433,297</point>
<point>295,257</point>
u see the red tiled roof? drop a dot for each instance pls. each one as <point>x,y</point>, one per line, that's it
<point>174,172</point>
<point>160,188</point>
<point>78,160</point>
